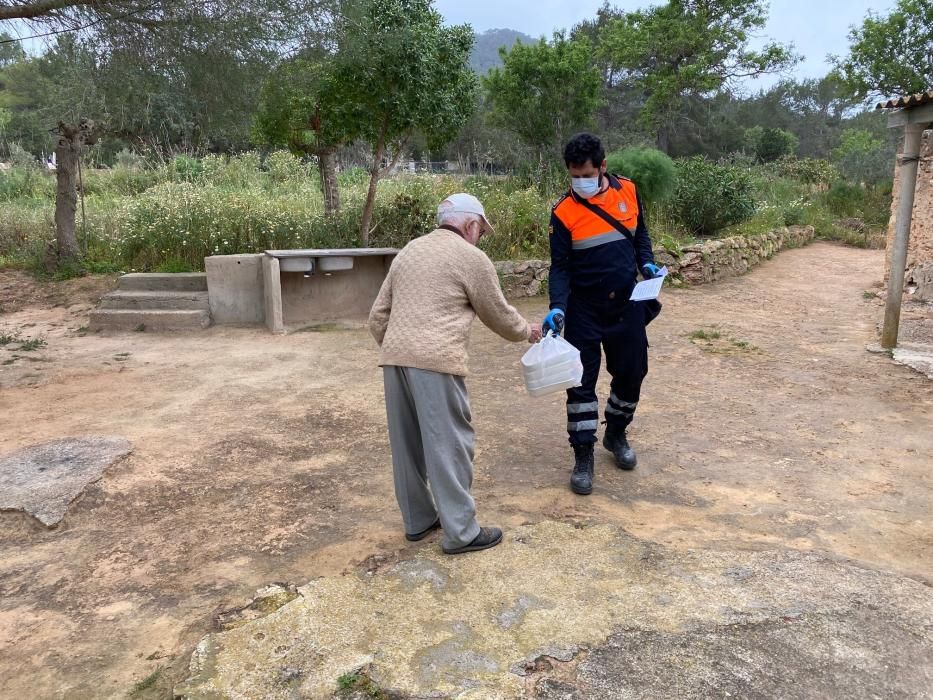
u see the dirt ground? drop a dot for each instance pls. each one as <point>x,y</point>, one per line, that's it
<point>263,459</point>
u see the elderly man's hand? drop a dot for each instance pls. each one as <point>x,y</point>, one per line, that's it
<point>534,334</point>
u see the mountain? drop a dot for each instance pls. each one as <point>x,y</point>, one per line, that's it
<point>485,54</point>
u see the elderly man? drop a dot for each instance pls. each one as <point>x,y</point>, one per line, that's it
<point>422,319</point>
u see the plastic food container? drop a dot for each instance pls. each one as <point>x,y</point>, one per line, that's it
<point>551,365</point>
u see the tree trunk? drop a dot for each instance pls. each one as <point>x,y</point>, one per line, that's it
<point>664,139</point>
<point>327,163</point>
<point>374,174</point>
<point>66,200</point>
<point>72,138</point>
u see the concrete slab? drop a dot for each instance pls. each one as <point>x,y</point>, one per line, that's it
<point>235,285</point>
<point>916,356</point>
<point>44,479</point>
<point>156,301</point>
<point>150,320</point>
<point>563,611</point>
<point>164,282</point>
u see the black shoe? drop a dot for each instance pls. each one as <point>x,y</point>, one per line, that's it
<point>487,537</point>
<point>581,480</point>
<point>418,536</point>
<point>616,442</point>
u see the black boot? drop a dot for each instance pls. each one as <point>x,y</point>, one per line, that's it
<point>581,480</point>
<point>616,442</point>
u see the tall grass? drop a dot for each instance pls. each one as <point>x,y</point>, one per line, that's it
<point>171,215</point>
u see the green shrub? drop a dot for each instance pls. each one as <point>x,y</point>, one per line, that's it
<point>130,181</point>
<point>770,144</point>
<point>25,227</point>
<point>654,172</point>
<point>869,167</point>
<point>862,158</point>
<point>21,158</point>
<point>187,168</point>
<point>794,215</point>
<point>809,171</point>
<point>521,219</point>
<point>402,217</point>
<point>845,199</point>
<point>242,170</point>
<point>174,265</point>
<point>25,183</point>
<point>352,176</point>
<point>284,166</point>
<point>710,197</point>
<point>128,159</point>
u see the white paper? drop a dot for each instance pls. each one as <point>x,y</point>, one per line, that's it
<point>649,289</point>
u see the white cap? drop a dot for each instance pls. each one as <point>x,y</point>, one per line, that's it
<point>463,203</point>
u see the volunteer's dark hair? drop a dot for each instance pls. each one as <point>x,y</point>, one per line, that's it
<point>584,148</point>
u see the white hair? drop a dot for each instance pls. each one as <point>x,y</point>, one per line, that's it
<point>455,218</point>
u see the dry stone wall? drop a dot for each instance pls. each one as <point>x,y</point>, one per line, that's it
<point>920,252</point>
<point>694,264</point>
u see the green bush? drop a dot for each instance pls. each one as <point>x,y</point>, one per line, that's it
<point>862,158</point>
<point>25,183</point>
<point>845,199</point>
<point>21,158</point>
<point>128,159</point>
<point>187,168</point>
<point>654,172</point>
<point>240,171</point>
<point>709,197</point>
<point>402,216</point>
<point>352,176</point>
<point>794,215</point>
<point>809,171</point>
<point>130,181</point>
<point>870,167</point>
<point>521,219</point>
<point>770,144</point>
<point>284,166</point>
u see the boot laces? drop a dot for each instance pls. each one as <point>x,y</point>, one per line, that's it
<point>583,462</point>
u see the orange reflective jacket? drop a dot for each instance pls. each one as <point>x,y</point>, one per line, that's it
<point>586,229</point>
<point>590,258</point>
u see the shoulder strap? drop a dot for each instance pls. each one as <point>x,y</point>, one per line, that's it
<point>604,215</point>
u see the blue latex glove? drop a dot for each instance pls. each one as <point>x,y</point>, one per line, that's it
<point>554,322</point>
<point>650,270</point>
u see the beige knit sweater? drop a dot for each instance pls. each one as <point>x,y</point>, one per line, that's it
<point>436,286</point>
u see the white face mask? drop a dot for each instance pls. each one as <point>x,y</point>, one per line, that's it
<point>586,187</point>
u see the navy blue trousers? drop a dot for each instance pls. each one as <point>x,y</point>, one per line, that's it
<point>619,330</point>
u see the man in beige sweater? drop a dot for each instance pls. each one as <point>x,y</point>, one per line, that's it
<point>421,319</point>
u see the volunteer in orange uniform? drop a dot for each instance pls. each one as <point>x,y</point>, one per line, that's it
<point>599,243</point>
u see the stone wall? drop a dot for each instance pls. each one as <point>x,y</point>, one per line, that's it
<point>694,264</point>
<point>920,251</point>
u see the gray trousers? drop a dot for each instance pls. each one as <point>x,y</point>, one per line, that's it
<point>432,451</point>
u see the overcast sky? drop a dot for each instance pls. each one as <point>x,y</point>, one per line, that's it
<point>815,27</point>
